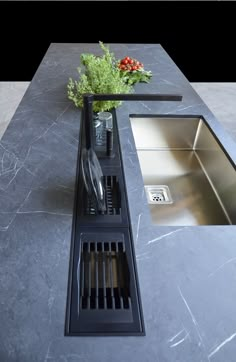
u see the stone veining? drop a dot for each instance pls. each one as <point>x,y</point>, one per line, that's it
<point>221,345</point>
<point>179,342</point>
<point>176,335</point>
<point>40,155</point>
<point>138,227</point>
<point>164,236</point>
<point>192,316</point>
<point>221,267</point>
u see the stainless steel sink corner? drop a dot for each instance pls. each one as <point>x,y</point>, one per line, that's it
<point>183,155</point>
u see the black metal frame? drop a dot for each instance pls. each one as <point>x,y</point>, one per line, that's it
<point>88,100</point>
<point>102,227</point>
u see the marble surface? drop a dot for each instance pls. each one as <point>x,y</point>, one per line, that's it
<point>186,274</point>
<point>11,94</point>
<point>219,97</point>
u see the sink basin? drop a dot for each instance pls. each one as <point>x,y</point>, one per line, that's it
<point>188,176</point>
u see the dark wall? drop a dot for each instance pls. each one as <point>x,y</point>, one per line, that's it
<point>199,36</point>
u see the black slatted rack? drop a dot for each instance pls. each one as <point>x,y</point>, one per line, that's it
<point>103,284</point>
<point>112,193</point>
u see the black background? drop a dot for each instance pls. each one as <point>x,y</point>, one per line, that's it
<point>199,36</point>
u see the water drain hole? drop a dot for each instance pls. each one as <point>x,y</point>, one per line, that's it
<point>158,197</point>
<point>158,194</point>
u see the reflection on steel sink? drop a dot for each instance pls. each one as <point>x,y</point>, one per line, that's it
<point>188,176</point>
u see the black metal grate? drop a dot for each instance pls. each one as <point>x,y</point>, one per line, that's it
<point>112,198</point>
<point>112,195</point>
<point>104,276</point>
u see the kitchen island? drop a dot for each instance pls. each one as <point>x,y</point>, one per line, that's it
<point>186,274</point>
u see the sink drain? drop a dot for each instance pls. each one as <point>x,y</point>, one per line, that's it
<point>158,197</point>
<point>158,194</point>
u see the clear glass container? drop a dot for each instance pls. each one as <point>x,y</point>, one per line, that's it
<point>102,122</point>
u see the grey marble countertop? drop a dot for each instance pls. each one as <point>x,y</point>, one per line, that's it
<point>187,275</point>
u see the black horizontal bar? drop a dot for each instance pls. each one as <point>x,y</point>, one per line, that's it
<point>133,97</point>
<point>89,98</point>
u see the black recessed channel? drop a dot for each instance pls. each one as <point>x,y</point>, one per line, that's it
<point>103,293</point>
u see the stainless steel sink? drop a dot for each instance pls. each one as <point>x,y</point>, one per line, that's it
<point>189,178</point>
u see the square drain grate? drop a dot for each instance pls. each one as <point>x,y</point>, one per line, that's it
<point>158,194</point>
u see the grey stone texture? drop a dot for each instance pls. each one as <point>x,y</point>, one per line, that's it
<point>186,274</point>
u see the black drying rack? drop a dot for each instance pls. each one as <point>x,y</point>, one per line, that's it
<point>103,291</point>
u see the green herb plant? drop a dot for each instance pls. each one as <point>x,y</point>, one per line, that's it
<point>101,75</point>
